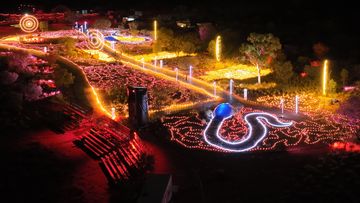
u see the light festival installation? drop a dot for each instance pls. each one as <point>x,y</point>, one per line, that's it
<point>187,130</point>
<point>231,82</point>
<point>155,61</point>
<point>282,105</point>
<point>255,122</point>
<point>245,94</point>
<point>29,23</point>
<point>320,127</point>
<point>161,63</point>
<point>155,30</point>
<point>324,77</point>
<point>112,43</point>
<point>95,40</point>
<point>113,115</point>
<point>176,74</point>
<point>218,48</point>
<point>131,39</point>
<point>190,72</point>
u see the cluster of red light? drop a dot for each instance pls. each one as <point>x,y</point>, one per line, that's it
<point>105,77</point>
<point>187,130</point>
<point>346,146</point>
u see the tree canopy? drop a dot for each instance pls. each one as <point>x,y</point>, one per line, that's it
<point>260,50</point>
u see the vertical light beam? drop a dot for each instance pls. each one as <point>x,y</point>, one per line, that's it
<point>324,77</point>
<point>155,30</point>
<point>218,48</point>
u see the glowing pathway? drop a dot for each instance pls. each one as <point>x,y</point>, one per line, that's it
<point>255,121</point>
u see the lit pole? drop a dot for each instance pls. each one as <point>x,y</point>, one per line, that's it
<point>113,116</point>
<point>190,72</point>
<point>155,30</point>
<point>325,70</point>
<point>177,73</point>
<point>218,48</point>
<point>245,94</point>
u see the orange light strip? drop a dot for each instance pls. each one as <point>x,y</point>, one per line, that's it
<point>100,105</point>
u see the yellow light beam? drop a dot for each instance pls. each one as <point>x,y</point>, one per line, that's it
<point>155,30</point>
<point>324,77</point>
<point>218,48</point>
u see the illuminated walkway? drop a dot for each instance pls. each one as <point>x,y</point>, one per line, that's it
<point>191,83</point>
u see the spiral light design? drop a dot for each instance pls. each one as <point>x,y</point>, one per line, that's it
<point>29,23</point>
<point>95,40</point>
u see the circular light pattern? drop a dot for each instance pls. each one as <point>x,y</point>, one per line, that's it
<point>29,23</point>
<point>95,40</point>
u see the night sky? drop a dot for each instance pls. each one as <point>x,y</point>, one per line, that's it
<point>296,22</point>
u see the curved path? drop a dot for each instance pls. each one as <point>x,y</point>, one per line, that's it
<point>256,125</point>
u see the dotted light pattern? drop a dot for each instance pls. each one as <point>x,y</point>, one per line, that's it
<point>95,40</point>
<point>29,23</point>
<point>256,133</point>
<point>106,77</point>
<point>187,130</point>
<point>309,104</point>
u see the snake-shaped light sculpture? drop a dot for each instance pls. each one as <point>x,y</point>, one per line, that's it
<point>255,121</point>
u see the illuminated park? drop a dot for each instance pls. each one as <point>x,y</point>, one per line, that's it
<point>179,103</point>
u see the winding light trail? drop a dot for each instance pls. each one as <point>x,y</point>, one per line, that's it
<point>255,121</point>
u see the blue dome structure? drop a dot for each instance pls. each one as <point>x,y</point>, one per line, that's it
<point>110,38</point>
<point>223,110</point>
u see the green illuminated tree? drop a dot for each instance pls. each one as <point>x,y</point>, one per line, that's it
<point>260,50</point>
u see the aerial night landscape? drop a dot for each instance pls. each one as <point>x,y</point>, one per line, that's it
<point>179,101</point>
